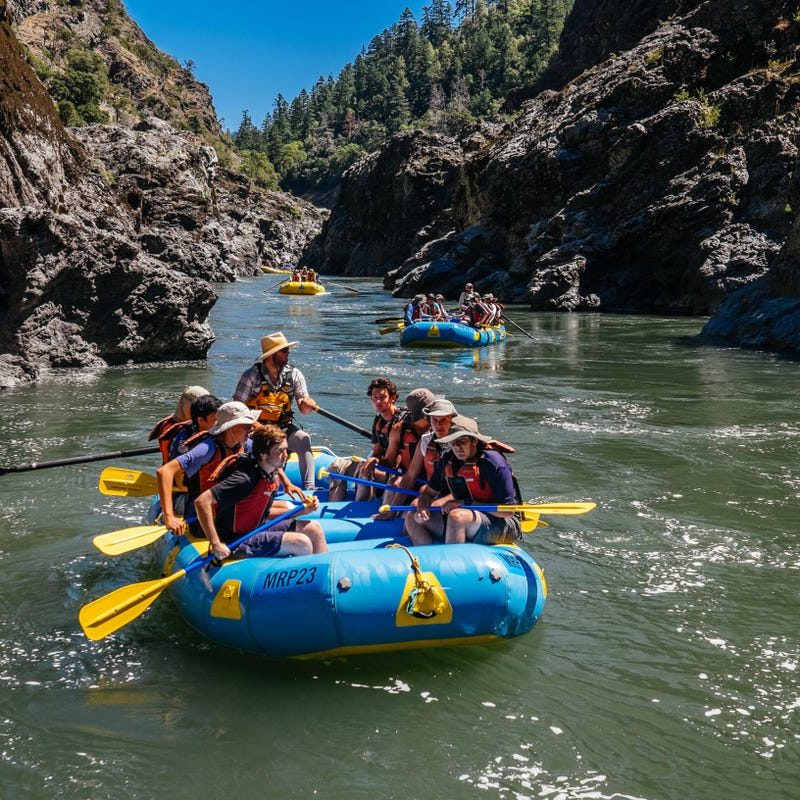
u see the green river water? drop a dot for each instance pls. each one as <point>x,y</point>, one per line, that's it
<point>665,664</point>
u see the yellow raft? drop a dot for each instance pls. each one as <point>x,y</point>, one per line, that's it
<point>301,287</point>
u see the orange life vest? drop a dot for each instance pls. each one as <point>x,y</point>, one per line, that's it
<point>204,478</point>
<point>433,452</point>
<point>275,403</point>
<point>408,443</point>
<point>480,491</point>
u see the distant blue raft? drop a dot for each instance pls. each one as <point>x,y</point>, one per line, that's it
<point>450,334</point>
<point>360,597</point>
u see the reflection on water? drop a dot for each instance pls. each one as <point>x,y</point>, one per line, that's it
<point>666,660</point>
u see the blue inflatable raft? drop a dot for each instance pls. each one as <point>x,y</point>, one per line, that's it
<point>360,597</point>
<point>450,334</point>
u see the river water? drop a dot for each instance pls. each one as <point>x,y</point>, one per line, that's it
<point>665,664</point>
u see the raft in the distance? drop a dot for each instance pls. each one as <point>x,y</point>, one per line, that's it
<point>301,287</point>
<point>360,597</point>
<point>426,333</point>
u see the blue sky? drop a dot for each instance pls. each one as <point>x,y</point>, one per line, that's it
<point>249,51</point>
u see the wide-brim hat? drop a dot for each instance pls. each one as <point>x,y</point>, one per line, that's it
<point>464,426</point>
<point>234,413</point>
<point>440,408</point>
<point>272,343</point>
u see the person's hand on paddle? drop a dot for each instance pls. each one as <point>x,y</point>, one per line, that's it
<point>310,503</point>
<point>174,524</point>
<point>220,550</point>
<point>307,404</point>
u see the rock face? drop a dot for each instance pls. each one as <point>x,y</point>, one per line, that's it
<point>390,203</point>
<point>76,288</point>
<point>108,234</point>
<point>144,81</point>
<point>189,213</point>
<point>654,175</point>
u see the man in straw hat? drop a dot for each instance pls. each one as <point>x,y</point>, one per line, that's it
<point>269,386</point>
<point>469,474</point>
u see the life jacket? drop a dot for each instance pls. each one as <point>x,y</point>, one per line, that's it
<point>166,438</point>
<point>381,428</point>
<point>249,512</point>
<point>433,452</point>
<point>478,487</point>
<point>408,442</point>
<point>162,427</point>
<point>416,311</point>
<point>203,478</point>
<point>275,404</point>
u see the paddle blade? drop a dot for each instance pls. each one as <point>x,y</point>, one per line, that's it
<point>391,328</point>
<point>128,539</point>
<point>567,509</point>
<point>113,611</point>
<point>127,483</point>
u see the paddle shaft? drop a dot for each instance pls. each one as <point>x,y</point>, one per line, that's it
<point>269,288</point>
<point>518,327</point>
<point>568,509</point>
<point>376,484</point>
<point>342,286</point>
<point>353,427</point>
<point>64,462</point>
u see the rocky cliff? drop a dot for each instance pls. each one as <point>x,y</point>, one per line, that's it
<point>109,234</point>
<point>652,173</point>
<point>142,80</point>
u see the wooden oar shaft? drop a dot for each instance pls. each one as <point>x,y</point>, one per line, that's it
<point>346,423</point>
<point>518,327</point>
<point>64,462</point>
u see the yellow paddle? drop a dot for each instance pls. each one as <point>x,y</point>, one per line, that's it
<point>398,326</point>
<point>116,609</point>
<point>120,482</point>
<point>128,539</point>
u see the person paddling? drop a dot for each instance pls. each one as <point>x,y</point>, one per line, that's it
<point>470,473</point>
<point>205,452</point>
<point>242,498</point>
<point>269,386</point>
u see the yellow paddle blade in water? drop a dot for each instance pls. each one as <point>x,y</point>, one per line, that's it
<point>124,541</point>
<point>127,482</point>
<point>111,612</point>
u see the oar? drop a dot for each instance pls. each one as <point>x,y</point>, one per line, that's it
<point>365,482</point>
<point>111,612</point>
<point>391,471</point>
<point>567,509</point>
<point>128,539</point>
<point>269,288</point>
<point>342,286</point>
<point>382,320</point>
<point>518,327</point>
<point>140,451</point>
<point>351,425</point>
<point>398,326</point>
<point>119,482</point>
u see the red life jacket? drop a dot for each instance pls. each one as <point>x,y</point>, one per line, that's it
<point>479,489</point>
<point>433,452</point>
<point>249,512</point>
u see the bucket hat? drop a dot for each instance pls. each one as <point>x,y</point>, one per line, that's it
<point>464,426</point>
<point>416,401</point>
<point>234,413</point>
<point>440,408</point>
